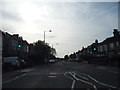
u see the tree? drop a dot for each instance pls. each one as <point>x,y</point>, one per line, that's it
<point>53,51</point>
<point>66,57</point>
<point>41,52</point>
<point>72,56</point>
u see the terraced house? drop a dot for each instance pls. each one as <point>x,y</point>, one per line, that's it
<point>110,46</point>
<point>107,51</point>
<point>13,44</point>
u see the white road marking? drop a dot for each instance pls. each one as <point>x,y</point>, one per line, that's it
<point>83,74</point>
<point>65,73</point>
<point>83,77</point>
<point>73,84</point>
<point>74,77</point>
<point>114,72</point>
<point>93,78</point>
<point>13,79</point>
<point>100,82</point>
<point>73,74</point>
<point>83,80</point>
<point>51,76</point>
<point>19,76</point>
<point>95,87</point>
<point>67,76</point>
<point>54,73</point>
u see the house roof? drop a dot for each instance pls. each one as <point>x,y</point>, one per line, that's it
<point>111,39</point>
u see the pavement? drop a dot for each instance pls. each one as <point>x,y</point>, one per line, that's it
<point>7,76</point>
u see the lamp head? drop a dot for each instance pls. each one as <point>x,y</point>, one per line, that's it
<point>50,30</point>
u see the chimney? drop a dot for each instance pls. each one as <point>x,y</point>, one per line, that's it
<point>116,33</point>
<point>96,41</point>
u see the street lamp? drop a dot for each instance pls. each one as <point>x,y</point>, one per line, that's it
<point>44,34</point>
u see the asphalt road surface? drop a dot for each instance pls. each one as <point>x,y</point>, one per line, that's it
<point>70,75</point>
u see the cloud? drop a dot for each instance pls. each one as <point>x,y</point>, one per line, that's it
<point>10,16</point>
<point>51,36</point>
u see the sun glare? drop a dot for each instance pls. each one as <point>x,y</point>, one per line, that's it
<point>29,12</point>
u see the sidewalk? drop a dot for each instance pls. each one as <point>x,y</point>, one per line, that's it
<point>11,75</point>
<point>7,76</point>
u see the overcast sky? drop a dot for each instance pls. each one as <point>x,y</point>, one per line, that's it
<point>74,24</point>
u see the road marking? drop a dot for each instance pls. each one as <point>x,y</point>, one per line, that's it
<point>100,82</point>
<point>83,81</point>
<point>83,77</point>
<point>93,78</point>
<point>73,84</point>
<point>114,72</point>
<point>52,73</point>
<point>14,78</point>
<point>73,75</point>
<point>75,78</point>
<point>51,76</point>
<point>19,76</point>
<point>67,76</point>
<point>83,74</point>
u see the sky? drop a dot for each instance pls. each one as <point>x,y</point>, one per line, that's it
<point>74,24</point>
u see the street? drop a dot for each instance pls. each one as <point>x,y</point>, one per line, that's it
<point>67,75</point>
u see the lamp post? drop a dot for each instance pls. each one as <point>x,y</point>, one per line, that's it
<point>44,34</point>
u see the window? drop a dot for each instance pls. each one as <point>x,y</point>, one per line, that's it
<point>105,47</point>
<point>111,46</point>
<point>100,48</point>
<point>117,44</point>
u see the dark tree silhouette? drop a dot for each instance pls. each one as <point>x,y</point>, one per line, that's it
<point>41,52</point>
<point>66,57</point>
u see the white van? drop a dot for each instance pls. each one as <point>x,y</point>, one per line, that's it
<point>14,61</point>
<point>11,60</point>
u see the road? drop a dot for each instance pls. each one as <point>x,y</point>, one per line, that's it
<point>70,75</point>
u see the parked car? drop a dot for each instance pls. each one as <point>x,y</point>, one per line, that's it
<point>52,61</point>
<point>10,63</point>
<point>13,63</point>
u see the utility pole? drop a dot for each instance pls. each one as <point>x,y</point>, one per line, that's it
<point>44,34</point>
<point>44,41</point>
<point>19,61</point>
